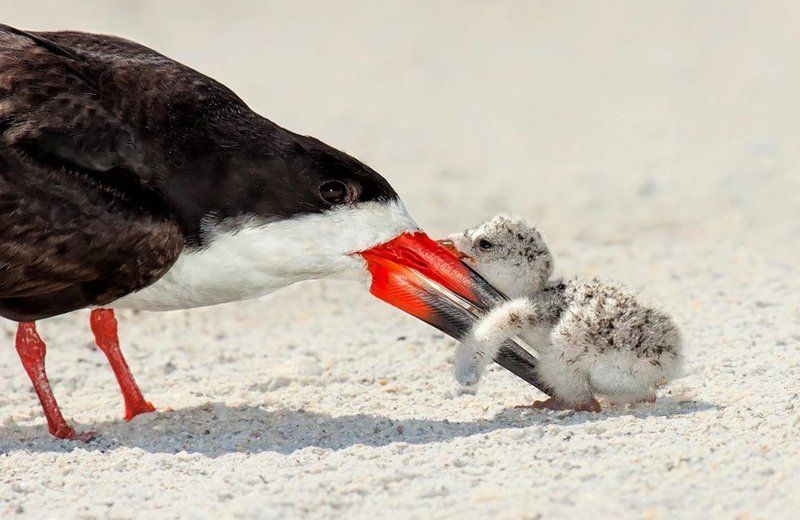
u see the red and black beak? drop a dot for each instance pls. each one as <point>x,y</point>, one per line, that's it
<point>427,280</point>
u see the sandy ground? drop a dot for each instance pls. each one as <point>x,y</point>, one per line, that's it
<point>655,144</point>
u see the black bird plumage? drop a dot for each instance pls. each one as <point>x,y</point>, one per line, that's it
<point>115,161</point>
<point>111,156</point>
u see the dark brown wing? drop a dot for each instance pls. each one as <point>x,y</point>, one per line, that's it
<point>49,108</point>
<point>67,242</point>
<point>80,224</point>
<point>132,119</point>
<point>102,103</point>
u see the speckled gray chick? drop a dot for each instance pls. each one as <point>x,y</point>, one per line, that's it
<point>592,338</point>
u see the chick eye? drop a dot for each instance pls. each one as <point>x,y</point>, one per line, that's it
<point>484,244</point>
<point>333,192</point>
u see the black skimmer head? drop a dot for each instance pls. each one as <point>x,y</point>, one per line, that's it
<point>310,212</point>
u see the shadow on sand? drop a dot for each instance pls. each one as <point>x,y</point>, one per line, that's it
<point>216,429</point>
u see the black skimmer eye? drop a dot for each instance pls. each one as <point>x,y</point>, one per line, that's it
<point>333,192</point>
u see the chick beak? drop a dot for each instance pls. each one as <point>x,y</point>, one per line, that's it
<point>427,280</point>
<point>450,246</point>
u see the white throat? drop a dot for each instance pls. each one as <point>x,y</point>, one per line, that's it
<point>254,258</point>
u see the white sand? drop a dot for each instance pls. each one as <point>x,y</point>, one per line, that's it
<point>656,144</point>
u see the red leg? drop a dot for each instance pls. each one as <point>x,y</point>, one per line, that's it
<point>104,326</point>
<point>32,351</point>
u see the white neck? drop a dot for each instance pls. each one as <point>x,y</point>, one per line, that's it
<point>255,257</point>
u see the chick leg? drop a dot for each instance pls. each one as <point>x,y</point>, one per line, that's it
<point>104,327</point>
<point>32,351</point>
<point>488,335</point>
<point>567,377</point>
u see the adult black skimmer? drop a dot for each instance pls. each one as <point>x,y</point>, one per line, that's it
<point>128,180</point>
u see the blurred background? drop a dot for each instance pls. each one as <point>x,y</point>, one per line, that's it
<point>655,143</point>
<point>685,112</point>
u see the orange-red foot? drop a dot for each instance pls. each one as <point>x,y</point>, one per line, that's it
<point>134,409</point>
<point>68,433</point>
<point>104,327</point>
<point>557,404</point>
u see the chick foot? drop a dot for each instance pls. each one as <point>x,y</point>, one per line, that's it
<point>554,403</point>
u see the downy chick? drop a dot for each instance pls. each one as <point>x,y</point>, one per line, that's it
<point>591,337</point>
